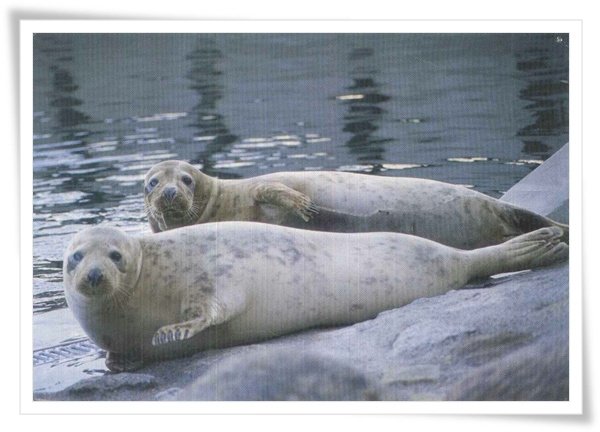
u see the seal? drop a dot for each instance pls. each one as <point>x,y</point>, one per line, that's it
<point>177,194</point>
<point>215,285</point>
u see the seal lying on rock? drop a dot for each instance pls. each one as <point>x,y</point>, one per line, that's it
<point>176,194</point>
<point>222,284</point>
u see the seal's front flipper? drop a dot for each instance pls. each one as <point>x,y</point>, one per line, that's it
<point>180,331</point>
<point>116,362</point>
<point>291,200</point>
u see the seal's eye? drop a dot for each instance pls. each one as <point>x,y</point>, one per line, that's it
<point>73,260</point>
<point>187,180</point>
<point>151,185</point>
<point>115,256</point>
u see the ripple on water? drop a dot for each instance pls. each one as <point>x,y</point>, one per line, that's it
<point>141,135</point>
<point>488,159</point>
<point>134,178</point>
<point>41,136</point>
<point>48,184</point>
<point>204,138</point>
<point>160,117</point>
<point>138,167</point>
<point>55,145</point>
<point>317,140</point>
<point>103,146</point>
<point>256,145</point>
<point>51,198</point>
<point>82,171</point>
<point>469,159</point>
<point>55,160</point>
<point>525,162</point>
<point>368,168</point>
<point>398,166</point>
<point>232,164</point>
<point>356,168</point>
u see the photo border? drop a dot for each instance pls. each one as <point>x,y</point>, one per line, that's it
<point>574,27</point>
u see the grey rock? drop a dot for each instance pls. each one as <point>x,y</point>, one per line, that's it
<point>280,374</point>
<point>539,372</point>
<point>107,387</point>
<point>168,394</point>
<point>546,189</point>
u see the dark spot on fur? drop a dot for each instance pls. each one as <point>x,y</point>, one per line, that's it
<point>356,307</point>
<point>293,254</point>
<point>370,280</point>
<point>239,253</point>
<point>208,289</point>
<point>223,269</point>
<point>202,280</point>
<point>168,253</point>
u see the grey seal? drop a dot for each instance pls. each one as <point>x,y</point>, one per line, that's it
<point>215,285</point>
<point>177,194</point>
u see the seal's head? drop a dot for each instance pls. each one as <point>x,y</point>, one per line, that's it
<point>175,194</point>
<point>101,264</point>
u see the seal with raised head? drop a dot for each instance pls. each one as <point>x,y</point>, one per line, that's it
<point>177,194</point>
<point>221,284</point>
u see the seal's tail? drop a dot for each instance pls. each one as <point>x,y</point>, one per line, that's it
<point>541,247</point>
<point>525,221</point>
<point>565,230</point>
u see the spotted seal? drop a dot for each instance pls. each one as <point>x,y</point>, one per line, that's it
<point>221,284</point>
<point>177,194</point>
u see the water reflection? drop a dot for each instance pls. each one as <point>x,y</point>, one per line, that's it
<point>546,72</point>
<point>52,159</point>
<point>212,132</point>
<point>62,95</point>
<point>62,99</point>
<point>365,112</point>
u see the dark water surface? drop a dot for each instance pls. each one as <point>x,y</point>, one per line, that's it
<point>478,110</point>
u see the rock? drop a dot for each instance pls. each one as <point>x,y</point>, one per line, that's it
<point>107,387</point>
<point>280,374</point>
<point>546,189</point>
<point>539,372</point>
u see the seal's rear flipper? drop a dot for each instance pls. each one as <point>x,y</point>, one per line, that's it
<point>538,248</point>
<point>525,221</point>
<point>535,249</point>
<point>565,229</point>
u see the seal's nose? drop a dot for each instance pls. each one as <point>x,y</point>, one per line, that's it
<point>169,193</point>
<point>94,277</point>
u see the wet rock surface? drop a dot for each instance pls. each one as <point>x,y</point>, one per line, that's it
<point>503,339</point>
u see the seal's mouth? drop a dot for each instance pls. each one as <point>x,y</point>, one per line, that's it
<point>177,210</point>
<point>173,213</point>
<point>100,290</point>
<point>179,203</point>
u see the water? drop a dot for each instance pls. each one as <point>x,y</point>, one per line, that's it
<point>478,110</point>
